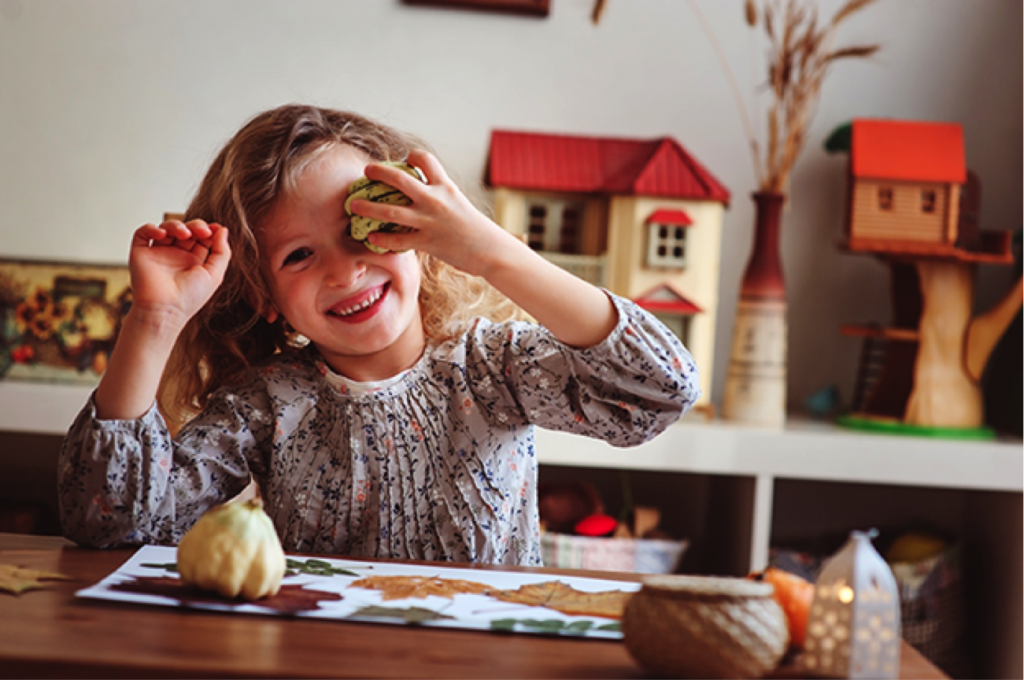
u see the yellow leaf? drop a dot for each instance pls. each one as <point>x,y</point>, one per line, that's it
<point>566,599</point>
<point>402,587</point>
<point>16,580</point>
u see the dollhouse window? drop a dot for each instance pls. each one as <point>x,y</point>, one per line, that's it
<point>554,225</point>
<point>569,234</point>
<point>928,200</point>
<point>666,245</point>
<point>885,198</point>
<point>535,228</point>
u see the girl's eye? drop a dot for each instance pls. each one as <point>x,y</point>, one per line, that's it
<point>296,256</point>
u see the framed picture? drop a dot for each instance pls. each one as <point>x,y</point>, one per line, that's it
<point>59,321</point>
<point>539,8</point>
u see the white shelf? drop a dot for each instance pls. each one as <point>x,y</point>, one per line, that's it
<point>40,408</point>
<point>800,450</point>
<point>803,450</point>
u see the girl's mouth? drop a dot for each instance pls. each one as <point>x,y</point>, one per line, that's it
<point>362,309</point>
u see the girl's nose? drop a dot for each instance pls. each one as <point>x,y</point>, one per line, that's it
<point>345,263</point>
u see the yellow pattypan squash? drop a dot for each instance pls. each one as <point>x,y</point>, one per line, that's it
<point>234,550</point>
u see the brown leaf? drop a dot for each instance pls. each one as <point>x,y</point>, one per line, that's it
<point>17,580</point>
<point>564,598</point>
<point>401,587</point>
<point>291,599</point>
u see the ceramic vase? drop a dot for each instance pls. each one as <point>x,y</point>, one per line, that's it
<point>755,384</point>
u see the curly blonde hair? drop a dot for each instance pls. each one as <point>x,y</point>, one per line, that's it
<point>259,164</point>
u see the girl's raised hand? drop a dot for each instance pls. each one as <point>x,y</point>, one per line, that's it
<point>444,222</point>
<point>176,266</point>
<point>447,225</point>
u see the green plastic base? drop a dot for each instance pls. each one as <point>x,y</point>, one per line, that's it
<point>889,426</point>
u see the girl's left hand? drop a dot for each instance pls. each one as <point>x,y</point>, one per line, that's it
<point>444,222</point>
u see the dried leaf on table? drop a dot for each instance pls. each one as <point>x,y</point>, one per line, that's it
<point>566,599</point>
<point>17,580</point>
<point>401,587</point>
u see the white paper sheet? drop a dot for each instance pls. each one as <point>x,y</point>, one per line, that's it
<point>149,577</point>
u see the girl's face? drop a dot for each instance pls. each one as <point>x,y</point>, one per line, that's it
<point>359,308</point>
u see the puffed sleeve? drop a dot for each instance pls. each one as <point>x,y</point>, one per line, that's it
<point>625,390</point>
<point>127,482</point>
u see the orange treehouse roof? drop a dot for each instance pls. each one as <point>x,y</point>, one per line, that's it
<point>908,150</point>
<point>599,165</point>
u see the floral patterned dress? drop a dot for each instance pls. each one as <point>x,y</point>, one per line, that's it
<point>437,463</point>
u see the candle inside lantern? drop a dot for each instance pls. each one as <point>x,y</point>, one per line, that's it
<point>854,626</point>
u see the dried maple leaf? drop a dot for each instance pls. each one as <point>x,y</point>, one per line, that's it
<point>16,580</point>
<point>401,587</point>
<point>564,598</point>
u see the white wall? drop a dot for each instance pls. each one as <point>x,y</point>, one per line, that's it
<point>111,109</point>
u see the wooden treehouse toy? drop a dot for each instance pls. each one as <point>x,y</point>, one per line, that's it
<point>641,218</point>
<point>913,203</point>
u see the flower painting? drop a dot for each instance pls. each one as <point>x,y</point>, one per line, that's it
<point>58,322</point>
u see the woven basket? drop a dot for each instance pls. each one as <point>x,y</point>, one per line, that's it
<point>640,555</point>
<point>705,627</point>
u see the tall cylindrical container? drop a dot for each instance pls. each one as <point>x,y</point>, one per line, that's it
<point>755,384</point>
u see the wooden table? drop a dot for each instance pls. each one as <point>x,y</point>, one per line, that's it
<point>51,633</point>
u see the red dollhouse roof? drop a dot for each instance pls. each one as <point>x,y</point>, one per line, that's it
<point>599,165</point>
<point>908,150</point>
<point>676,218</point>
<point>665,298</point>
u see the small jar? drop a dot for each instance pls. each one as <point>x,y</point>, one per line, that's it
<point>705,627</point>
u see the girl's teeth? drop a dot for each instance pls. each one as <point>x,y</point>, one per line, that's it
<point>362,305</point>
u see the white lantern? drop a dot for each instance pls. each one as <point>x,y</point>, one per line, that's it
<point>853,630</point>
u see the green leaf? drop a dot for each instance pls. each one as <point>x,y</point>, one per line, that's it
<point>503,624</point>
<point>315,567</point>
<point>411,615</point>
<point>166,566</point>
<point>579,626</point>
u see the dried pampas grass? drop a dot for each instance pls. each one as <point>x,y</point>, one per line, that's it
<point>799,57</point>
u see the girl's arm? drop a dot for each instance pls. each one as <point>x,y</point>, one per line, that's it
<point>447,225</point>
<point>175,268</point>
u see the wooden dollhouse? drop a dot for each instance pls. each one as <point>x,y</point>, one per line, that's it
<point>913,203</point>
<point>641,218</point>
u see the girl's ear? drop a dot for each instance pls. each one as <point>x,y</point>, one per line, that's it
<point>270,313</point>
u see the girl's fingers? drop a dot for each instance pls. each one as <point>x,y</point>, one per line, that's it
<point>431,167</point>
<point>393,241</point>
<point>386,212</point>
<point>148,233</point>
<point>183,235</point>
<point>220,252</point>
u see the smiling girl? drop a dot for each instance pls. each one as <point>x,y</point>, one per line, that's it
<point>384,403</point>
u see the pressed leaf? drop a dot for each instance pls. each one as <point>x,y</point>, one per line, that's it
<point>547,626</point>
<point>166,566</point>
<point>401,587</point>
<point>566,599</point>
<point>411,615</point>
<point>315,567</point>
<point>16,580</point>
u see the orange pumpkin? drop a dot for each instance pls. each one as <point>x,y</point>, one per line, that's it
<point>795,595</point>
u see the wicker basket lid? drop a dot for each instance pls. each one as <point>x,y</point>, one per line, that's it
<point>707,586</point>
